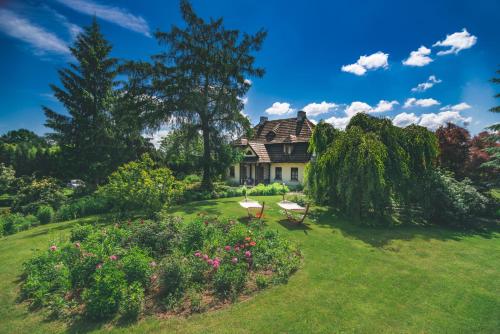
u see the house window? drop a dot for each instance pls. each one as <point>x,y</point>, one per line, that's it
<point>277,173</point>
<point>287,148</point>
<point>294,174</point>
<point>231,171</point>
<point>249,152</point>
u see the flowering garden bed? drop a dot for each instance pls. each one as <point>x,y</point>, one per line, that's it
<point>165,266</point>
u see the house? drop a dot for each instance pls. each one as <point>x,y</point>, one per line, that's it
<point>276,152</point>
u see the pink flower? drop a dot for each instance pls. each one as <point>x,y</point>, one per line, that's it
<point>248,239</point>
<point>113,258</point>
<point>53,248</point>
<point>197,254</point>
<point>152,264</point>
<point>227,248</point>
<point>99,266</point>
<point>234,260</point>
<point>205,257</point>
<point>236,249</point>
<point>216,264</point>
<point>77,244</point>
<point>252,243</point>
<point>210,261</point>
<point>248,254</point>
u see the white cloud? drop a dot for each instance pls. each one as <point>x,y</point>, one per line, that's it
<point>156,137</point>
<point>384,106</point>
<point>457,107</point>
<point>248,82</point>
<point>357,107</point>
<point>338,122</point>
<point>279,108</point>
<point>244,99</point>
<point>41,40</point>
<point>456,42</point>
<point>405,119</point>
<point>116,15</point>
<point>360,107</point>
<point>315,109</point>
<point>412,102</point>
<point>419,58</point>
<point>434,121</point>
<point>422,87</point>
<point>364,63</point>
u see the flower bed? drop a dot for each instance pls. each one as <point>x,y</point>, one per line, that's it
<point>164,266</point>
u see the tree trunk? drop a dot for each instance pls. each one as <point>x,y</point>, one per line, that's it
<point>207,158</point>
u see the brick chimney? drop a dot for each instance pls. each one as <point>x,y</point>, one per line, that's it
<point>263,119</point>
<point>301,115</point>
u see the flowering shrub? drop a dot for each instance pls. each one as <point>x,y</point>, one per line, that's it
<point>102,272</point>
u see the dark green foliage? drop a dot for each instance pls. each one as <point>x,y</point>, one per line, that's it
<point>370,167</point>
<point>201,77</point>
<point>29,153</point>
<point>83,206</point>
<point>137,266</point>
<point>160,238</point>
<point>11,223</point>
<point>174,280</point>
<point>494,149</point>
<point>102,298</point>
<point>35,193</point>
<point>452,202</point>
<point>102,130</point>
<point>81,232</point>
<point>132,302</point>
<point>230,280</point>
<point>45,214</point>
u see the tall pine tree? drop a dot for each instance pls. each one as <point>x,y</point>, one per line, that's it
<point>494,138</point>
<point>200,80</point>
<point>86,135</point>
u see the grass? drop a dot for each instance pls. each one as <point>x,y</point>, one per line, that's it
<point>353,279</point>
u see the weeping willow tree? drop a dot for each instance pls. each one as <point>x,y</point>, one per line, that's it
<point>371,166</point>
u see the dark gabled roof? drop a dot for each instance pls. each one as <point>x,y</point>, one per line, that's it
<point>267,136</point>
<point>281,130</point>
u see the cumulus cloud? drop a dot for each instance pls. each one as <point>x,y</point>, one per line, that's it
<point>418,58</point>
<point>279,108</point>
<point>457,107</point>
<point>360,107</point>
<point>116,15</point>
<point>413,102</point>
<point>41,40</point>
<point>434,121</point>
<point>422,87</point>
<point>365,63</point>
<point>456,42</point>
<point>405,119</point>
<point>315,109</point>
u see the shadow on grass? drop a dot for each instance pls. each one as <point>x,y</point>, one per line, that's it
<point>294,226</point>
<point>380,236</point>
<point>193,207</point>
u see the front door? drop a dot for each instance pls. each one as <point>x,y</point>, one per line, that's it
<point>259,174</point>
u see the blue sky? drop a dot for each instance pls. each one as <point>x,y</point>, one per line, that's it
<point>424,62</point>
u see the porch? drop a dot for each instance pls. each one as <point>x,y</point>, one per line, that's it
<point>254,173</point>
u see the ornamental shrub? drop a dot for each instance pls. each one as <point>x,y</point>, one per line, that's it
<point>45,214</point>
<point>102,299</point>
<point>132,301</point>
<point>230,280</point>
<point>140,185</point>
<point>33,194</point>
<point>137,266</point>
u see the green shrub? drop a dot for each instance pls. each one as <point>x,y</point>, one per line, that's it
<point>159,237</point>
<point>139,185</point>
<point>174,276</point>
<point>15,222</point>
<point>81,232</point>
<point>33,194</point>
<point>192,178</point>
<point>452,202</point>
<point>132,302</point>
<point>230,280</point>
<point>137,266</point>
<point>45,214</point>
<point>103,298</point>
<point>262,281</point>
<point>268,190</point>
<point>82,207</point>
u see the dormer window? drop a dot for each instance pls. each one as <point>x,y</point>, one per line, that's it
<point>287,148</point>
<point>249,152</point>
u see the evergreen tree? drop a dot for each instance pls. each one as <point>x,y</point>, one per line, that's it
<point>494,139</point>
<point>200,80</point>
<point>87,135</point>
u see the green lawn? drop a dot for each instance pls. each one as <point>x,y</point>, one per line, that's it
<point>353,279</point>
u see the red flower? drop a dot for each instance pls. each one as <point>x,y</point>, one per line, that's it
<point>248,239</point>
<point>53,248</point>
<point>252,243</point>
<point>227,248</point>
